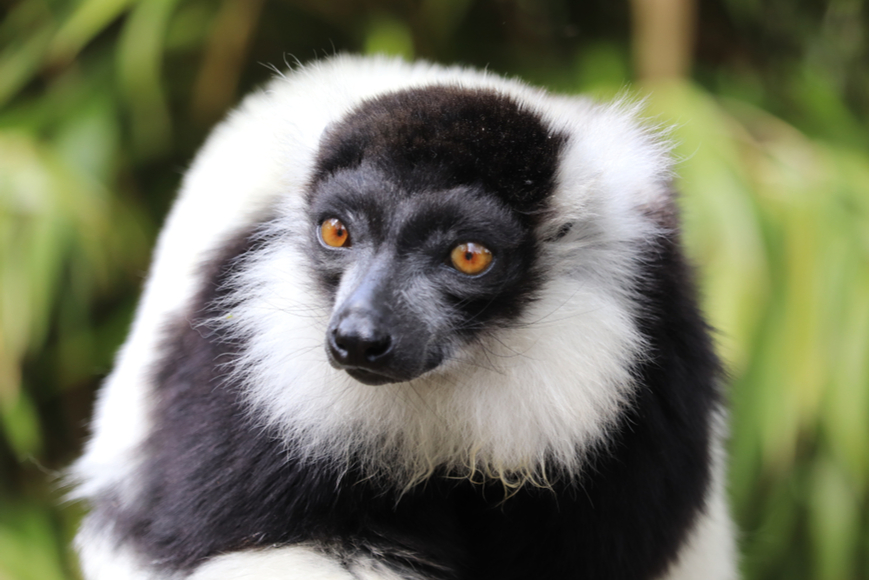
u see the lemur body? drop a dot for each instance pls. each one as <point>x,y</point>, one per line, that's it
<point>407,321</point>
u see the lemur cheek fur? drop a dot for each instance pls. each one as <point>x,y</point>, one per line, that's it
<point>414,322</point>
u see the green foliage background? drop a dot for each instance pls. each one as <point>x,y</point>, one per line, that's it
<point>103,103</point>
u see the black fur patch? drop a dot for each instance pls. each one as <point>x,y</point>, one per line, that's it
<point>441,137</point>
<point>213,482</point>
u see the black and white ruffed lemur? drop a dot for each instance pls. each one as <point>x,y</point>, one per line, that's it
<point>414,322</point>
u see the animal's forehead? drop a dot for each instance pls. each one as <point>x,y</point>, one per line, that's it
<point>365,193</point>
<point>443,137</point>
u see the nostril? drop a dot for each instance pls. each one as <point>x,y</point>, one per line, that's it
<point>378,347</point>
<point>337,344</point>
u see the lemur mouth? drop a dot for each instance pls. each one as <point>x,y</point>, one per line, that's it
<point>369,377</point>
<point>394,373</point>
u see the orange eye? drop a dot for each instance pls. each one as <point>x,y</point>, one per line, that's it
<point>470,258</point>
<point>334,233</point>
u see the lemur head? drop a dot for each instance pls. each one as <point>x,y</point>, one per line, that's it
<point>423,212</point>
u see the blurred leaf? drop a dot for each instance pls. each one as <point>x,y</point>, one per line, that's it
<point>215,89</point>
<point>50,212</point>
<point>189,27</point>
<point>88,19</point>
<point>20,423</point>
<point>88,140</point>
<point>29,547</point>
<point>602,70</point>
<point>387,35</point>
<point>18,63</point>
<point>833,524</point>
<point>139,67</point>
<point>29,251</point>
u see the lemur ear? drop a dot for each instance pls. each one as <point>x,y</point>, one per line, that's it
<point>561,232</point>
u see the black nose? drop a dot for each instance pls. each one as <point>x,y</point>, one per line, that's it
<point>357,341</point>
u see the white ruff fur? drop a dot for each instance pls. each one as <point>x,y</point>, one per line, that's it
<point>545,389</point>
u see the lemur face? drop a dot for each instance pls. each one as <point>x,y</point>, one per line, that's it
<point>423,211</point>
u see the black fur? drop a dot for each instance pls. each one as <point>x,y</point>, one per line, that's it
<point>439,137</point>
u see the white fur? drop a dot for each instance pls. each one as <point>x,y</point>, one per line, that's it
<point>572,350</point>
<point>102,558</point>
<point>294,563</point>
<point>709,551</point>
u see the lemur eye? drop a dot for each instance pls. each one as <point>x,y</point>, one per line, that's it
<point>470,258</point>
<point>334,233</point>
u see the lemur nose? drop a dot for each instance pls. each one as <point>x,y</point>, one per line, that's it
<point>358,342</point>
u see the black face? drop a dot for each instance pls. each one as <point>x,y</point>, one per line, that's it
<point>421,249</point>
